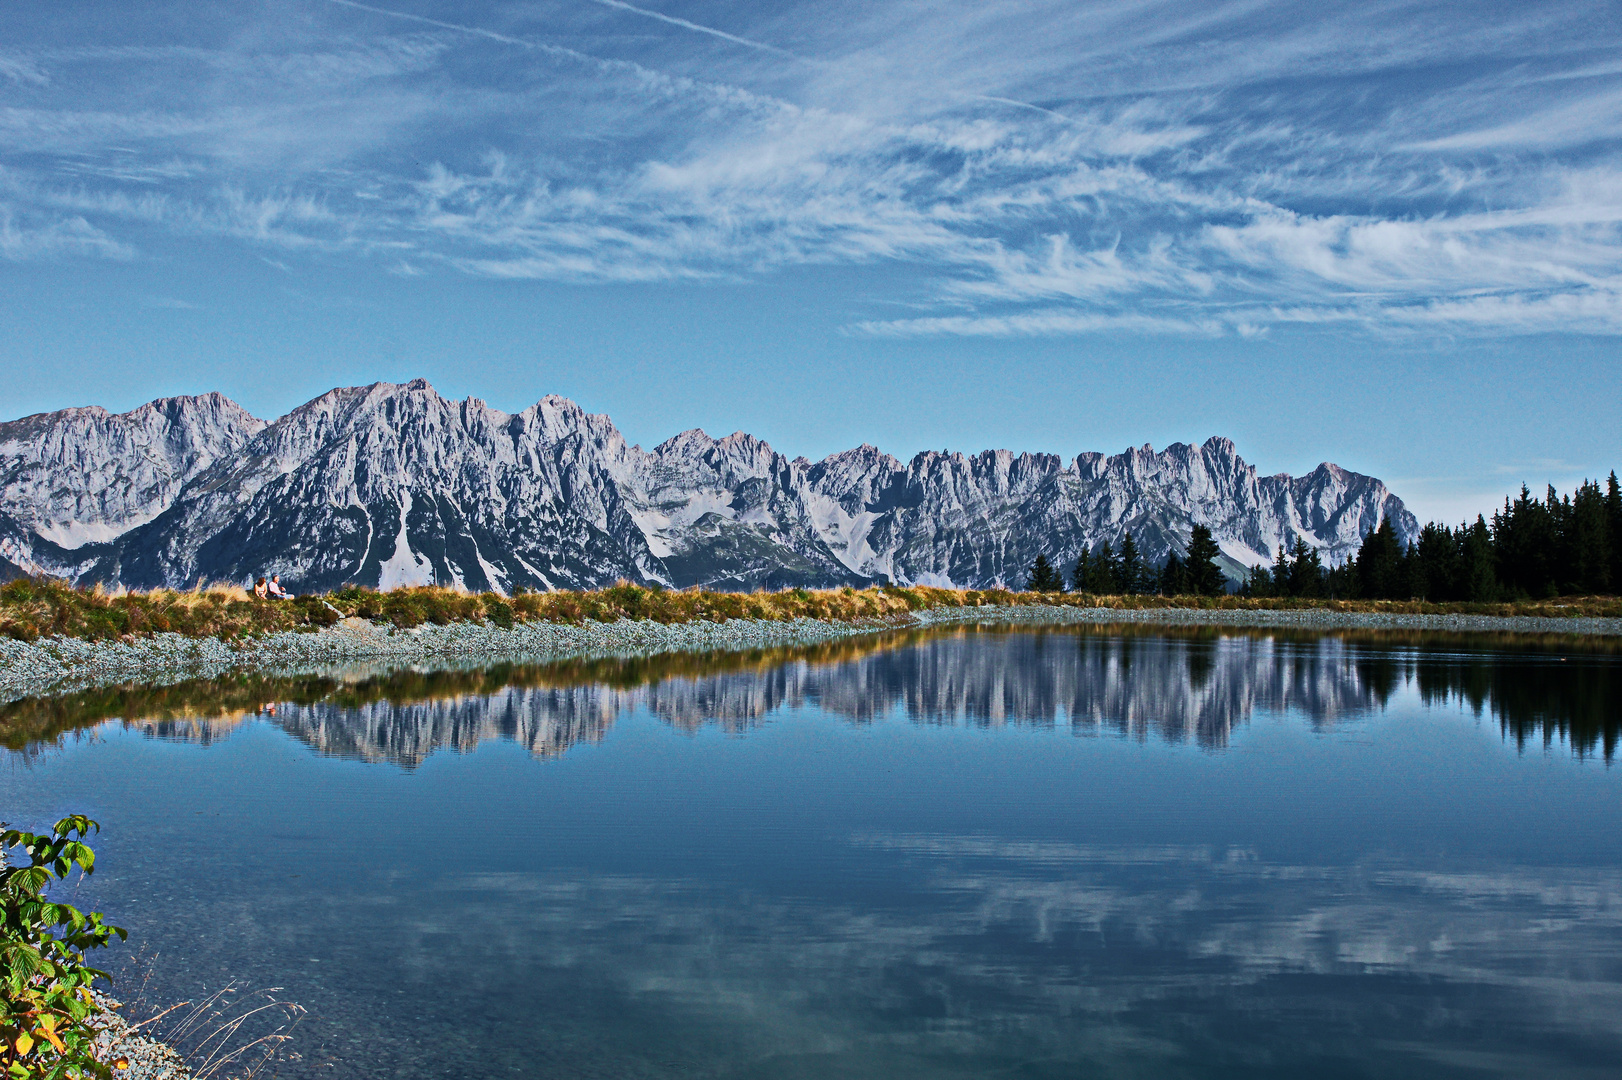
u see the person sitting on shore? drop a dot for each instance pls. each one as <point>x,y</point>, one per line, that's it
<point>260,590</point>
<point>276,589</point>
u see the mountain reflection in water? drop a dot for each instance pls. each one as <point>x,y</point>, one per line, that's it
<point>1179,685</point>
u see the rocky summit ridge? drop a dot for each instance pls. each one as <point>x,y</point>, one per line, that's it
<point>392,484</point>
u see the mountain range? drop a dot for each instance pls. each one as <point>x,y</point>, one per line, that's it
<point>391,484</point>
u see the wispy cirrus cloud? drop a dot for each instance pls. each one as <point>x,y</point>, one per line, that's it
<point>28,236</point>
<point>1046,323</point>
<point>1030,168</point>
<point>20,69</point>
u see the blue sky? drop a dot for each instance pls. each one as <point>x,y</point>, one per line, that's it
<point>1383,234</point>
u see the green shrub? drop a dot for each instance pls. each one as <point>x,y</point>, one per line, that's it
<point>498,610</point>
<point>45,1012</point>
<point>437,608</point>
<point>361,601</point>
<point>399,609</point>
<point>626,599</point>
<point>315,611</point>
<point>18,591</point>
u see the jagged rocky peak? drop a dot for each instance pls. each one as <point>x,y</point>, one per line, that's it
<point>391,484</point>
<point>560,417</point>
<point>739,454</point>
<point>855,478</point>
<point>691,445</point>
<point>86,475</point>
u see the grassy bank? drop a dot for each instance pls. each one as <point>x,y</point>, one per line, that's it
<point>34,608</point>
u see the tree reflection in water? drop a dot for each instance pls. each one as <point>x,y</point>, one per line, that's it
<point>1176,684</point>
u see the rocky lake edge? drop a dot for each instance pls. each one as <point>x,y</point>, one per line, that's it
<point>57,664</point>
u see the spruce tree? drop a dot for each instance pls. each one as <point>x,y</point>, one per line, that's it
<point>1258,583</point>
<point>1306,570</point>
<point>1480,577</point>
<point>1204,576</point>
<point>1613,529</point>
<point>1437,564</point>
<point>1173,576</point>
<point>1081,576</point>
<point>1589,567</point>
<point>1524,546</point>
<point>1130,566</point>
<point>1340,581</point>
<point>1281,570</point>
<point>1105,581</point>
<point>1043,578</point>
<point>1379,564</point>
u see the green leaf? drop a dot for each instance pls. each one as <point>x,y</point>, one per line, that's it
<point>44,996</point>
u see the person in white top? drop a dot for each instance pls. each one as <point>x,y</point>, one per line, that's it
<point>276,589</point>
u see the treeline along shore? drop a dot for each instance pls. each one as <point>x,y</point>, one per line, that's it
<point>32,609</point>
<point>1560,545</point>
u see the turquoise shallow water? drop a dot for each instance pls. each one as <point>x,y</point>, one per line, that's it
<point>950,854</point>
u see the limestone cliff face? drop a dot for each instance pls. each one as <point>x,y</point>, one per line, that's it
<point>394,485</point>
<point>388,485</point>
<point>74,480</point>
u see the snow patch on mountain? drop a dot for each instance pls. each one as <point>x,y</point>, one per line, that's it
<point>76,534</point>
<point>405,567</point>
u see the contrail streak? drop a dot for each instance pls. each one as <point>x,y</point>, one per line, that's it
<point>710,30</point>
<point>556,50</point>
<point>649,75</point>
<point>1025,105</point>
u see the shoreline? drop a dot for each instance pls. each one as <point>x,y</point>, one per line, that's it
<point>63,664</point>
<point>147,1057</point>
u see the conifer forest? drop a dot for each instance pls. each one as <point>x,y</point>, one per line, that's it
<point>1531,549</point>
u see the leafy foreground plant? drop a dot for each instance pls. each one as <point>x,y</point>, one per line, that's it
<point>55,1026</point>
<point>47,1008</point>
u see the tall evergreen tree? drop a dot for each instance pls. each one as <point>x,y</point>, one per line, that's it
<point>1081,576</point>
<point>1436,564</point>
<point>1480,582</point>
<point>1129,567</point>
<point>1105,573</point>
<point>1204,576</point>
<point>1043,578</point>
<point>1379,564</point>
<point>1524,546</point>
<point>1613,528</point>
<point>1588,562</point>
<point>1306,570</point>
<point>1173,576</point>
<point>1281,570</point>
<point>1258,583</point>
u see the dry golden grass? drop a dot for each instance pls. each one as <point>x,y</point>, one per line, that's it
<point>32,608</point>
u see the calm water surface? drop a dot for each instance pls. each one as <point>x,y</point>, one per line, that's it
<point>979,853</point>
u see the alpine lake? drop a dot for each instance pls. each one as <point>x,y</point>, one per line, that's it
<point>974,851</point>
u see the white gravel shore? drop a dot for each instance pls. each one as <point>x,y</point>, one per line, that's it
<point>56,665</point>
<point>148,1058</point>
